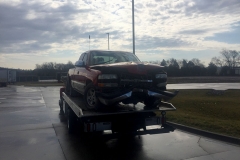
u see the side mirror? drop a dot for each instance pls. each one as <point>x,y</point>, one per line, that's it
<point>79,63</point>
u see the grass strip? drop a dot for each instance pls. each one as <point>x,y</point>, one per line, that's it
<point>210,110</point>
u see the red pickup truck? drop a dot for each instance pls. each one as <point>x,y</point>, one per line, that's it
<point>104,78</point>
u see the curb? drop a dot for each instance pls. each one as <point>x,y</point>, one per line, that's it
<point>207,134</point>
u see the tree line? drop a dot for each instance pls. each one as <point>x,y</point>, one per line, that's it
<point>224,65</point>
<point>45,71</point>
<point>52,68</point>
<point>219,66</point>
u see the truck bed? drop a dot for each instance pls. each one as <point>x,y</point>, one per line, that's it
<point>78,106</point>
<point>117,118</point>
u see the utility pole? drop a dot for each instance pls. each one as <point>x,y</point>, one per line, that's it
<point>89,42</point>
<point>108,40</point>
<point>133,34</point>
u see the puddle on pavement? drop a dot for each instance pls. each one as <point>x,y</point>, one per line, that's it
<point>2,99</point>
<point>41,101</point>
<point>56,109</point>
<point>25,90</point>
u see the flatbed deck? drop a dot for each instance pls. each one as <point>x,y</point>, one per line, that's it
<point>78,106</point>
<point>117,118</point>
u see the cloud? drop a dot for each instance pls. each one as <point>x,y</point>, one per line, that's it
<point>38,23</point>
<point>49,27</point>
<point>196,31</point>
<point>213,7</point>
<point>150,5</point>
<point>149,42</point>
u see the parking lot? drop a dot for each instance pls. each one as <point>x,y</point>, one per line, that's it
<point>31,128</point>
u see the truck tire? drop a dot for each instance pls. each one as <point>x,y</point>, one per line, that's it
<point>72,121</point>
<point>90,98</point>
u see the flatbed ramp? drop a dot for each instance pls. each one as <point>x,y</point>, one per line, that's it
<point>117,118</point>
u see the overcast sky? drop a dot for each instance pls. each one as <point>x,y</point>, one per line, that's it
<point>34,32</point>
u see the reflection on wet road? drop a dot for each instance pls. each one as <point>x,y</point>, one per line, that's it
<point>31,128</point>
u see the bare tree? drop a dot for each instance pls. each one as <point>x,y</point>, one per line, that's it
<point>184,63</point>
<point>180,63</point>
<point>197,62</point>
<point>217,61</point>
<point>230,57</point>
<point>38,66</point>
<point>173,63</point>
<point>238,59</point>
<point>163,63</point>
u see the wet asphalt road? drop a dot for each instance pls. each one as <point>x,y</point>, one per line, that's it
<point>31,128</point>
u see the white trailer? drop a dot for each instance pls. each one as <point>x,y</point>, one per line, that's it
<point>12,74</point>
<point>7,77</point>
<point>118,118</point>
<point>3,78</point>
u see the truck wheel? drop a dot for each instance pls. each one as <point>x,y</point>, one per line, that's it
<point>61,107</point>
<point>72,121</point>
<point>90,97</point>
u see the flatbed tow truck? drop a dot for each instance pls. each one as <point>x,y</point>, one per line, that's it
<point>118,118</point>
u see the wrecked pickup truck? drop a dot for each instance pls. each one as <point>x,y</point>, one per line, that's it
<point>105,78</point>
